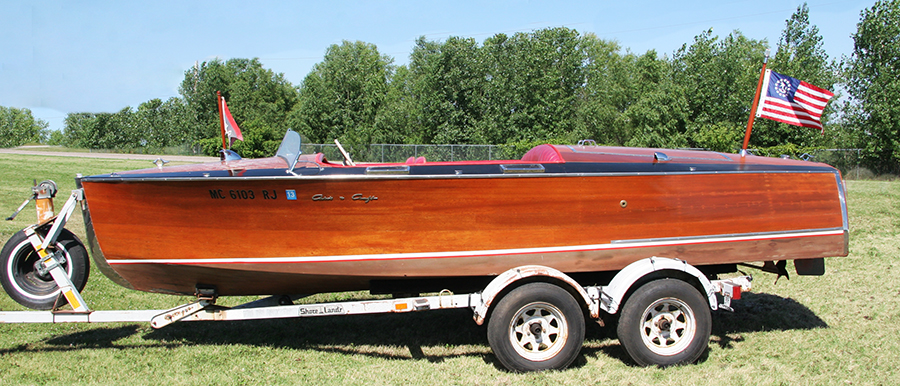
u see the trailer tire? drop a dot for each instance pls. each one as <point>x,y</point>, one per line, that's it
<point>665,322</point>
<point>22,281</point>
<point>535,327</point>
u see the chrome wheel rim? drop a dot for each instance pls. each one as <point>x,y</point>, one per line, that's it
<point>668,326</point>
<point>538,331</point>
<point>24,277</point>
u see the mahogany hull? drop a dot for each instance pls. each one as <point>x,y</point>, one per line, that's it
<point>325,232</point>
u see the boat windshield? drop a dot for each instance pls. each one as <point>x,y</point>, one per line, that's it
<point>290,148</point>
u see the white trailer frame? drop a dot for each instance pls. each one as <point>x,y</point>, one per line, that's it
<point>595,298</point>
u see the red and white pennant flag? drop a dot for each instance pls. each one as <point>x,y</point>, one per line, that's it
<point>792,101</point>
<point>231,128</point>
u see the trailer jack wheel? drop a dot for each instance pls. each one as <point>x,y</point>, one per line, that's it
<point>538,326</point>
<point>665,322</point>
<point>31,288</point>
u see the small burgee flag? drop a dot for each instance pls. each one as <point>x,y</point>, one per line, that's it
<point>231,128</point>
<point>792,101</point>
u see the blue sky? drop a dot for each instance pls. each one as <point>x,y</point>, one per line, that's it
<point>58,57</point>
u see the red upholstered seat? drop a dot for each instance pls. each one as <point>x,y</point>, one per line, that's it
<point>414,160</point>
<point>543,153</point>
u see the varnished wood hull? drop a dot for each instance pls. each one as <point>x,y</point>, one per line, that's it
<point>245,235</point>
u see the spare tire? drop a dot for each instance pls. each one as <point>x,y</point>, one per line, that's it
<point>22,281</point>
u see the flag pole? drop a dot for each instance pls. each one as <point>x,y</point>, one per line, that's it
<point>755,104</point>
<point>221,118</point>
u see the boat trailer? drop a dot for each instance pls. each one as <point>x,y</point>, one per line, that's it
<point>534,313</point>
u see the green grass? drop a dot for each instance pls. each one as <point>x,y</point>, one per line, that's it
<point>841,328</point>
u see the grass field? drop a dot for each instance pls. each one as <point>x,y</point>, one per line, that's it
<point>839,329</point>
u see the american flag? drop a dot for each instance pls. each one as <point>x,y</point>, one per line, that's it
<point>792,101</point>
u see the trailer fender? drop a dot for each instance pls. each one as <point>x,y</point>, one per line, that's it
<point>511,276</point>
<point>611,296</point>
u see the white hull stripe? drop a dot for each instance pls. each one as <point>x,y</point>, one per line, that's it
<point>496,252</point>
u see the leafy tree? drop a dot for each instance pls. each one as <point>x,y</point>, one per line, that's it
<point>253,94</point>
<point>719,77</point>
<point>513,88</point>
<point>123,131</point>
<point>260,140</point>
<point>154,125</point>
<point>163,124</point>
<point>446,83</point>
<point>57,138</point>
<point>722,137</point>
<point>873,82</point>
<point>18,127</point>
<point>799,54</point>
<point>658,115</point>
<point>341,96</point>
<point>118,130</point>
<point>399,116</point>
<point>533,85</point>
<point>86,130</point>
<point>607,93</point>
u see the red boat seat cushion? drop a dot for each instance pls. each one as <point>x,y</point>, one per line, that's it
<point>543,153</point>
<point>414,160</point>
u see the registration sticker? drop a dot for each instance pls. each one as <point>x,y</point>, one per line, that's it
<point>291,194</point>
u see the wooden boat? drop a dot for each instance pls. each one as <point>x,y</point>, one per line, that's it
<point>298,224</point>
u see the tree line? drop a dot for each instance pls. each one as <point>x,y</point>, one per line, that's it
<point>548,85</point>
<point>18,126</point>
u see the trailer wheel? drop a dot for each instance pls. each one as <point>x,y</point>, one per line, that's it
<point>665,322</point>
<point>538,326</point>
<point>26,285</point>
